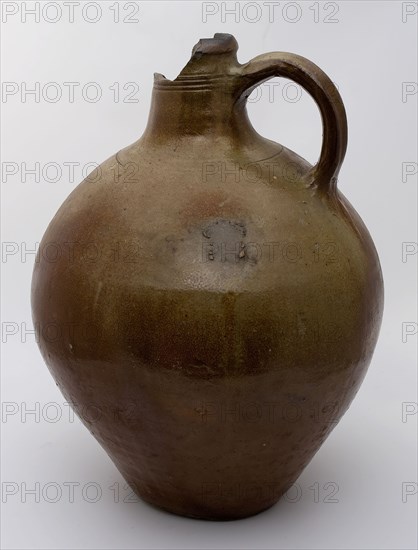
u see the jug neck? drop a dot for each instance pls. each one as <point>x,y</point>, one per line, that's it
<point>195,107</point>
<point>204,100</point>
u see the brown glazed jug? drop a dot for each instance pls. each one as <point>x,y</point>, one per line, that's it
<point>207,300</point>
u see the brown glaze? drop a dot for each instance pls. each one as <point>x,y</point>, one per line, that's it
<point>209,301</point>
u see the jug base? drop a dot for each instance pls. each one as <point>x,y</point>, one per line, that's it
<point>208,514</point>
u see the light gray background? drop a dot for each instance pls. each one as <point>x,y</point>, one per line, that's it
<point>369,52</point>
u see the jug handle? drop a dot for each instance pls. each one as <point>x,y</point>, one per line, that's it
<point>322,176</point>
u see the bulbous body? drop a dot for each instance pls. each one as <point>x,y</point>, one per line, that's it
<point>208,307</point>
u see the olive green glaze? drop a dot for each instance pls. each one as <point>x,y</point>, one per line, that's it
<point>209,301</point>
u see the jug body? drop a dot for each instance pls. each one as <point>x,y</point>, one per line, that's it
<point>216,299</point>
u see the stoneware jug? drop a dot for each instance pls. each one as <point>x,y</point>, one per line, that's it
<point>207,300</point>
